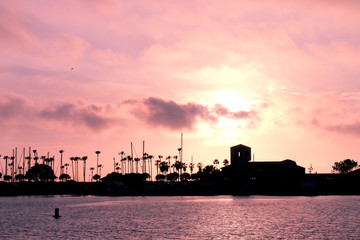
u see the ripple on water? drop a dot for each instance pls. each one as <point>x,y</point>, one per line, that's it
<point>215,217</point>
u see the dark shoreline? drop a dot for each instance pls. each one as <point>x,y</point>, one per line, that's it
<point>191,188</point>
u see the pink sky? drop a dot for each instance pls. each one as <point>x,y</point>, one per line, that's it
<point>279,76</point>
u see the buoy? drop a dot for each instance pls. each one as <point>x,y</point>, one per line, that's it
<point>57,215</point>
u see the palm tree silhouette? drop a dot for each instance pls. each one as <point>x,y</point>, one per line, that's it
<point>66,167</point>
<point>200,165</point>
<point>11,169</point>
<point>100,166</point>
<point>144,157</point>
<point>184,166</point>
<point>157,164</point>
<point>52,161</point>
<point>191,166</point>
<point>76,161</point>
<point>137,164</point>
<point>122,153</point>
<point>61,165</point>
<point>216,162</point>
<point>29,159</point>
<point>72,167</point>
<point>97,162</point>
<point>92,173</point>
<point>180,158</point>
<point>20,168</point>
<point>84,158</point>
<point>164,167</point>
<point>129,158</point>
<point>123,165</point>
<point>150,157</point>
<point>6,158</point>
<point>169,159</point>
<point>178,165</point>
<point>35,156</point>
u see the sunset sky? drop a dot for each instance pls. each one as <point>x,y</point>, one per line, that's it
<point>282,77</point>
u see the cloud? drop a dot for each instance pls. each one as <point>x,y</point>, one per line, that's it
<point>11,106</point>
<point>169,114</point>
<point>92,116</point>
<point>221,110</point>
<point>341,128</point>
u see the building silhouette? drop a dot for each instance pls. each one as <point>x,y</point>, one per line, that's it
<point>265,176</point>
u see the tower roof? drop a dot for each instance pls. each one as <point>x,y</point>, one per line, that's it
<point>240,146</point>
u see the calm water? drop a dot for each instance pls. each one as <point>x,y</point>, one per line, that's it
<point>219,217</point>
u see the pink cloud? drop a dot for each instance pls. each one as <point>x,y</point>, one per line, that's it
<point>175,116</point>
<point>11,106</point>
<point>91,116</point>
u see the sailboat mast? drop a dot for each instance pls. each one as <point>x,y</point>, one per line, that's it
<point>181,153</point>
<point>132,158</point>
<point>15,166</point>
<point>24,161</point>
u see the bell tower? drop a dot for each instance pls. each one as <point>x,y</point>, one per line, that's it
<point>240,155</point>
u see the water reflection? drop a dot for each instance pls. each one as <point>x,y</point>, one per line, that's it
<point>226,217</point>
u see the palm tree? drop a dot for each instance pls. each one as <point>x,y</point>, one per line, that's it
<point>64,177</point>
<point>137,160</point>
<point>180,157</point>
<point>123,165</point>
<point>226,162</point>
<point>178,166</point>
<point>61,165</point>
<point>157,164</point>
<point>52,162</point>
<point>130,159</point>
<point>150,157</point>
<point>35,156</point>
<point>100,166</point>
<point>7,178</point>
<point>164,167</point>
<point>216,162</point>
<point>20,177</point>
<point>84,158</point>
<point>169,159</point>
<point>184,166</point>
<point>122,153</point>
<point>29,159</point>
<point>92,173</point>
<point>144,157</point>
<point>72,167</point>
<point>43,159</point>
<point>6,158</point>
<point>200,165</point>
<point>191,166</point>
<point>20,167</point>
<point>76,160</point>
<point>97,162</point>
<point>12,166</point>
<point>66,167</point>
